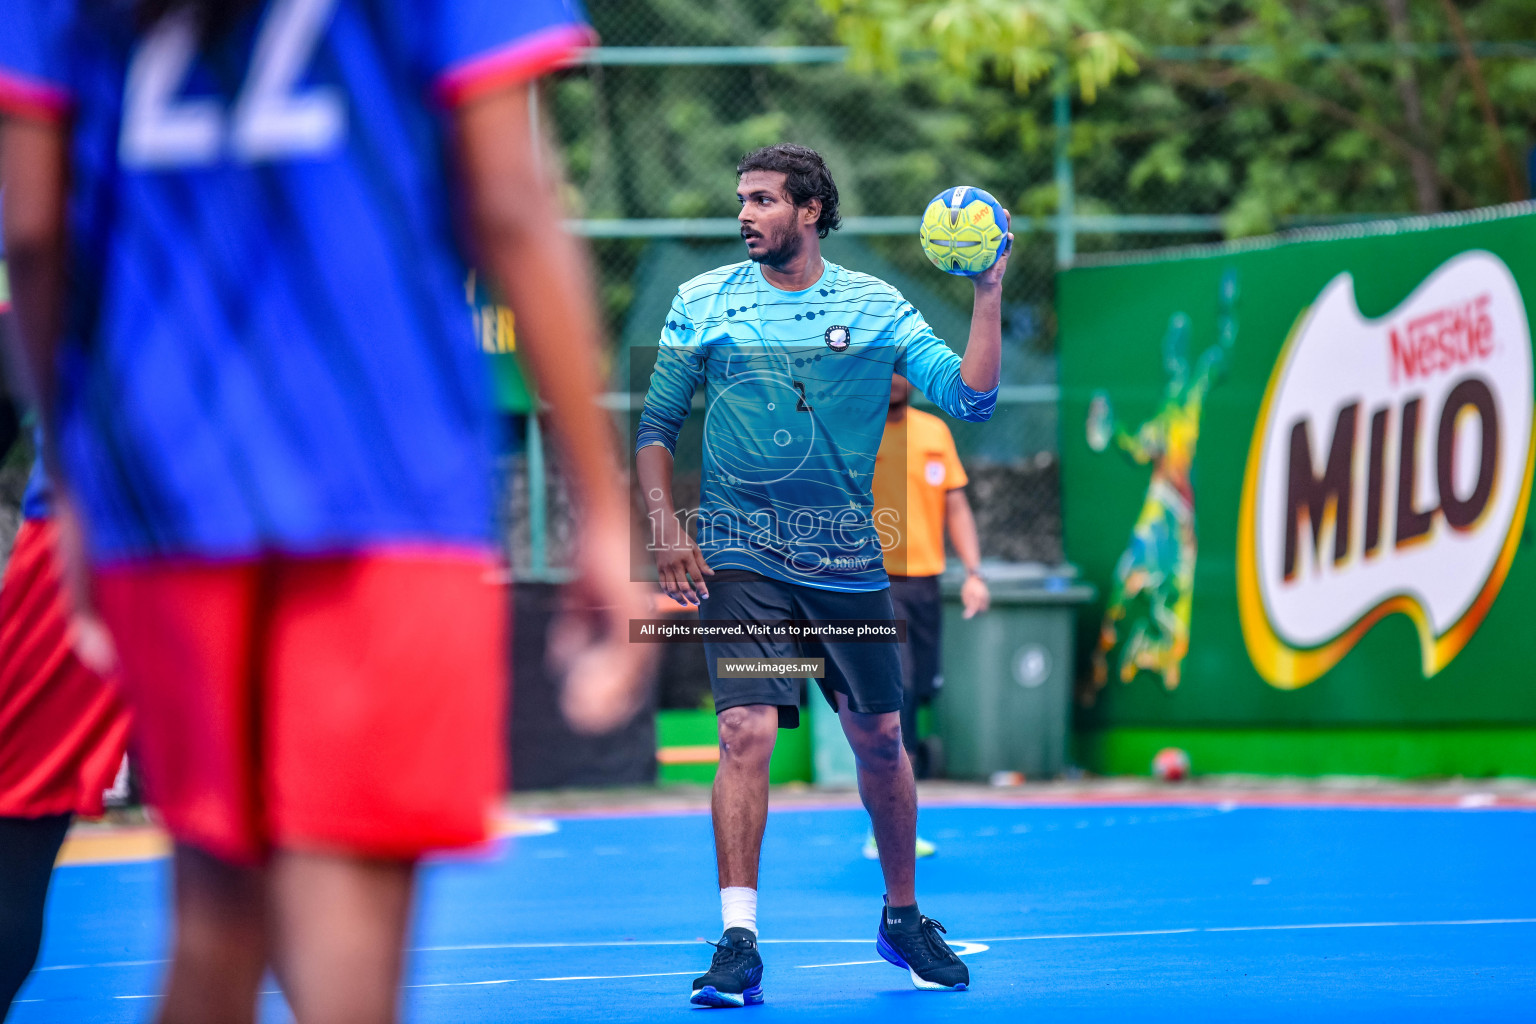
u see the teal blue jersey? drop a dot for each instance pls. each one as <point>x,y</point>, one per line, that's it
<point>796,386</point>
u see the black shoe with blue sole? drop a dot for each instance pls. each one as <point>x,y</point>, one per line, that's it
<point>735,975</point>
<point>928,958</point>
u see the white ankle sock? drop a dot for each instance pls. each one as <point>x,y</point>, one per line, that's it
<point>738,907</point>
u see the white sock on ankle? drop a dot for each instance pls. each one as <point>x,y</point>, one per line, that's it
<point>738,907</point>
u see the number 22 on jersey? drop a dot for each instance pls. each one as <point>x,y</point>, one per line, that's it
<point>271,119</point>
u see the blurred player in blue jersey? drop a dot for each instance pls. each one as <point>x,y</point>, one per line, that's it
<point>240,293</point>
<point>795,356</point>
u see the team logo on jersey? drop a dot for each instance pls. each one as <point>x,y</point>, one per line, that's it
<point>837,338</point>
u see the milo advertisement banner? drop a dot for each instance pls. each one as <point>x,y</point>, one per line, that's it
<point>1299,472</point>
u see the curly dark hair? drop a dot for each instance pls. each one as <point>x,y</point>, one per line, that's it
<point>805,178</point>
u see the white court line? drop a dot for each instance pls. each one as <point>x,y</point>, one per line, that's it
<point>615,977</point>
<point>607,945</point>
<point>1369,924</point>
<point>556,945</point>
<point>263,992</point>
<point>112,963</point>
<point>1091,935</point>
<point>1001,938</point>
<point>968,948</point>
<point>845,963</point>
<point>1270,928</point>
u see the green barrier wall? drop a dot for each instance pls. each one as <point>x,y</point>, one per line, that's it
<point>1306,509</point>
<point>695,731</point>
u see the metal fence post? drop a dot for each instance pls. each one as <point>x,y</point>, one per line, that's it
<point>1066,229</point>
<point>538,481</point>
<point>538,497</point>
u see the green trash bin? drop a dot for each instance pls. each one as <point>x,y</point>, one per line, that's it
<point>1008,674</point>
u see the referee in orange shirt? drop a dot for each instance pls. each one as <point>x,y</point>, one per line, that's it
<point>919,479</point>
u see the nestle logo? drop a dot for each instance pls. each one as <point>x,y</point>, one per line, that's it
<point>1441,340</point>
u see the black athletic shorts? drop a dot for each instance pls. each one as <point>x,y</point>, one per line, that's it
<point>918,600</point>
<point>868,674</point>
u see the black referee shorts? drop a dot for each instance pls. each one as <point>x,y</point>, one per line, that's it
<point>867,674</point>
<point>919,600</point>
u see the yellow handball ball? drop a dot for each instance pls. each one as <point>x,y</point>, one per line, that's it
<point>964,231</point>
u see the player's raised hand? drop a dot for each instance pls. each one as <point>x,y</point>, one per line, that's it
<point>604,677</point>
<point>992,277</point>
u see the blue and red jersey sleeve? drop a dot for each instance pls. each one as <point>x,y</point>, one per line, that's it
<point>485,45</point>
<point>34,58</point>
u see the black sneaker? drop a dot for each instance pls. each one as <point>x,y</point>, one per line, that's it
<point>735,976</point>
<point>932,964</point>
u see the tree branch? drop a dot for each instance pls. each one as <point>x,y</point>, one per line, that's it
<point>1413,108</point>
<point>1337,111</point>
<point>1475,73</point>
<point>1446,106</point>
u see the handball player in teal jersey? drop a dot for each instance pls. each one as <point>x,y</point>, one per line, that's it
<point>795,356</point>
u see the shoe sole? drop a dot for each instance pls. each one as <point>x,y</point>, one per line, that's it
<point>889,954</point>
<point>713,997</point>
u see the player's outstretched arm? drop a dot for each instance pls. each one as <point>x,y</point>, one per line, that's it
<point>981,366</point>
<point>1103,430</point>
<point>515,219</point>
<point>1143,446</point>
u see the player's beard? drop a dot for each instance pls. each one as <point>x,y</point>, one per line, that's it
<point>785,248</point>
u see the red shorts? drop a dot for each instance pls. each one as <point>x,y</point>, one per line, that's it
<point>62,727</point>
<point>349,704</point>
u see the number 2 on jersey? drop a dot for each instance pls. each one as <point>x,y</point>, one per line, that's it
<point>270,119</point>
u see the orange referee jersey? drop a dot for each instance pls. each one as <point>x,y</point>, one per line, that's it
<point>917,465</point>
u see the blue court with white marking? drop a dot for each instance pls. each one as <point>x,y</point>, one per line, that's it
<point>1068,913</point>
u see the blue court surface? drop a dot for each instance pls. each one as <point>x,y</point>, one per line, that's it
<point>1068,912</point>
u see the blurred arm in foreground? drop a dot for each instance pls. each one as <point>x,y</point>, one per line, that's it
<point>33,168</point>
<point>514,218</point>
<point>34,171</point>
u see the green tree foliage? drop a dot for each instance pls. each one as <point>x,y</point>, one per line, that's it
<point>1262,111</point>
<point>663,141</point>
<point>1021,41</point>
